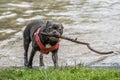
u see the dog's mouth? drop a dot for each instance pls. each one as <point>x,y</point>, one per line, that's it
<point>55,39</point>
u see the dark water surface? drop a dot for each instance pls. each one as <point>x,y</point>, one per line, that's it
<point>17,13</point>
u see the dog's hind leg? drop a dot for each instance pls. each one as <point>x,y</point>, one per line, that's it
<point>41,60</point>
<point>31,58</point>
<point>26,43</point>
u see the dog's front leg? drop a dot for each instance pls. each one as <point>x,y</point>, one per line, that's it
<point>31,58</point>
<point>55,58</point>
<point>41,60</point>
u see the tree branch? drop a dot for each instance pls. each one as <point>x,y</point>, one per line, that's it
<point>75,40</point>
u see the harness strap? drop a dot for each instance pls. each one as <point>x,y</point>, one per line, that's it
<point>43,49</point>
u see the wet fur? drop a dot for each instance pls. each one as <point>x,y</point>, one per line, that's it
<point>29,37</point>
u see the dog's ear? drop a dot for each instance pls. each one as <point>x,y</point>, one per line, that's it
<point>48,23</point>
<point>61,28</point>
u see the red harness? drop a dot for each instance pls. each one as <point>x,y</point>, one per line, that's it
<point>43,49</point>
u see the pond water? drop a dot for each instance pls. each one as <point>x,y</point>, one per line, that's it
<point>94,21</point>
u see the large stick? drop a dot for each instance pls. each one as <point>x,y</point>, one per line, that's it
<point>75,40</point>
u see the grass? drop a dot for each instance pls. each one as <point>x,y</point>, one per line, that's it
<point>60,74</point>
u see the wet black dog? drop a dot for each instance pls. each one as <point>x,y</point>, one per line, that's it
<point>32,34</point>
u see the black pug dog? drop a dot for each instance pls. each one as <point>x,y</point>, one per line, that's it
<point>40,42</point>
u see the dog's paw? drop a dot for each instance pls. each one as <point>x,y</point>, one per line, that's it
<point>25,64</point>
<point>29,66</point>
<point>56,66</point>
<point>42,65</point>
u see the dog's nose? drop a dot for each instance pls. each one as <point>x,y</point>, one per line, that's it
<point>55,32</point>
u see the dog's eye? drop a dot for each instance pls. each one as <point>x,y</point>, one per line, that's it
<point>49,29</point>
<point>59,29</point>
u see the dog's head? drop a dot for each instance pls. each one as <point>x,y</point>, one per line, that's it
<point>53,29</point>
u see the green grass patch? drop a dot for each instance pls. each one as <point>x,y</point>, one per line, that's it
<point>60,74</point>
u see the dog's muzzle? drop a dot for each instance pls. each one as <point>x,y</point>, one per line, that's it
<point>54,33</point>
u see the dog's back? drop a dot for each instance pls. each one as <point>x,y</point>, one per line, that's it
<point>31,28</point>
